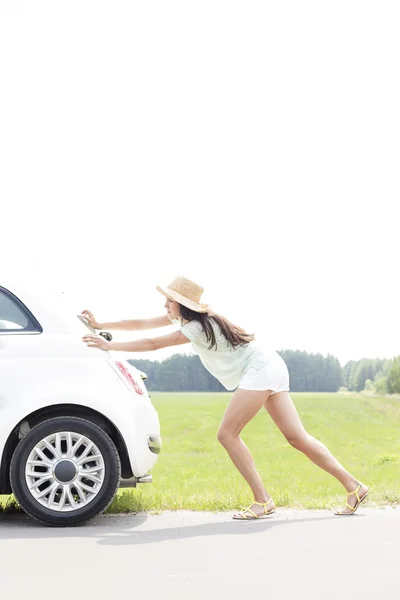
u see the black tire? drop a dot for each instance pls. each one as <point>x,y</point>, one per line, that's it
<point>109,487</point>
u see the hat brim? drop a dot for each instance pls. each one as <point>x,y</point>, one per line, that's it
<point>197,307</point>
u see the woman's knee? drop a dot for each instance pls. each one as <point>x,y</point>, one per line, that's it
<point>298,439</point>
<point>225,436</point>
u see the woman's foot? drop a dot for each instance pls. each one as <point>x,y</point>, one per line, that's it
<point>354,499</point>
<point>257,510</point>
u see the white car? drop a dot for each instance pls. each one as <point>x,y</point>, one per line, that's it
<point>76,422</point>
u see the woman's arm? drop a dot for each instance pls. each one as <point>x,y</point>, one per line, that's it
<point>128,325</point>
<point>176,338</point>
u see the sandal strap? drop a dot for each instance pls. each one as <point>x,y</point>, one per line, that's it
<point>356,493</point>
<point>352,508</point>
<point>248,510</point>
<point>264,504</point>
<point>244,516</point>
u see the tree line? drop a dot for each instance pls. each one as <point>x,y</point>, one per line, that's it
<point>377,375</point>
<point>308,373</point>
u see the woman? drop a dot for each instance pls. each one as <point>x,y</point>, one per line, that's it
<point>259,378</point>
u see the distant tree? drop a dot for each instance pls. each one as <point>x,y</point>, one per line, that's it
<point>347,373</point>
<point>333,374</point>
<point>380,386</point>
<point>356,373</point>
<point>393,377</point>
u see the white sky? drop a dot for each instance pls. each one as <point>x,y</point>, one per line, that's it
<point>253,146</point>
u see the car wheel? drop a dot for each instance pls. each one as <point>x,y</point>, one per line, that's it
<point>65,471</point>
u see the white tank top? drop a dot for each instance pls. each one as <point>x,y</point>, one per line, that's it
<point>225,362</point>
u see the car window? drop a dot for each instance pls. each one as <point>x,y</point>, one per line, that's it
<point>14,316</point>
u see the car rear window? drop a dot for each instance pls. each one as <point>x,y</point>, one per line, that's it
<point>14,317</point>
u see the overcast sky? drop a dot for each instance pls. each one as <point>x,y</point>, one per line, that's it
<point>253,146</point>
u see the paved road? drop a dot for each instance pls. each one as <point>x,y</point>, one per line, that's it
<point>292,555</point>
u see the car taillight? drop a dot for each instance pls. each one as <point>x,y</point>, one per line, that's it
<point>128,377</point>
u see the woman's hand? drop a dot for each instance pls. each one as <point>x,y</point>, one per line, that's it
<point>89,316</point>
<point>97,341</point>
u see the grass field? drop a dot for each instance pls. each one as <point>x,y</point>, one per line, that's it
<point>194,471</point>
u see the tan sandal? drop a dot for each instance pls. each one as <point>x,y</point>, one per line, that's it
<point>357,504</point>
<point>242,516</point>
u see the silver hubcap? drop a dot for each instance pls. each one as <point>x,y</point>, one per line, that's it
<point>65,471</point>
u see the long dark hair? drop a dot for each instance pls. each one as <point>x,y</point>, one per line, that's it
<point>236,336</point>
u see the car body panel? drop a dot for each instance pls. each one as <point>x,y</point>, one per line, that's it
<point>54,367</point>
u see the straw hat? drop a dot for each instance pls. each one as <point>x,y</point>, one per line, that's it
<point>185,292</point>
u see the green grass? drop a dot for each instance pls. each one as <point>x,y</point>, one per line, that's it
<point>194,471</point>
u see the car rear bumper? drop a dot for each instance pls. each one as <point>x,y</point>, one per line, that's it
<point>154,444</point>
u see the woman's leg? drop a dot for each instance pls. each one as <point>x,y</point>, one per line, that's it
<point>283,412</point>
<point>243,406</point>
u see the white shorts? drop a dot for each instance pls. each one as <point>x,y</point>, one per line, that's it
<point>266,372</point>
